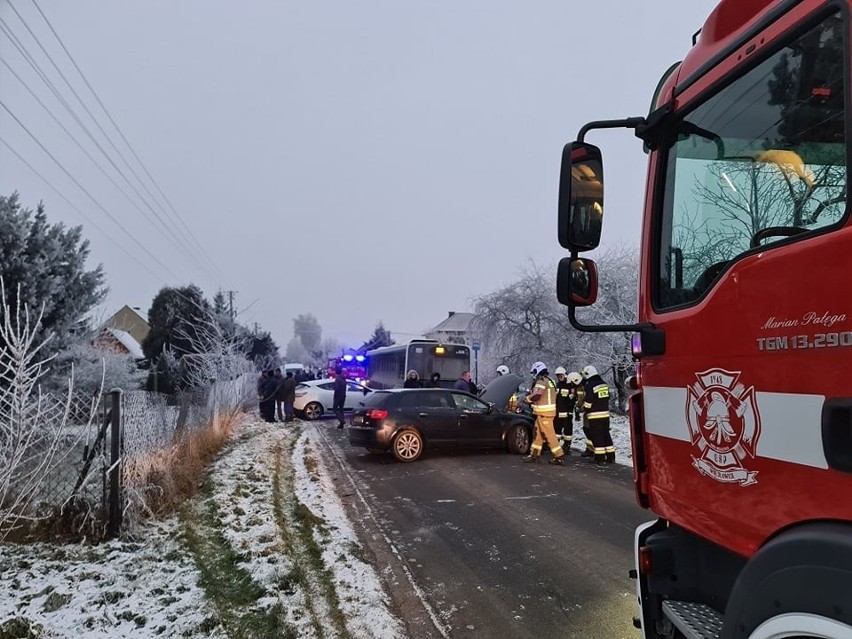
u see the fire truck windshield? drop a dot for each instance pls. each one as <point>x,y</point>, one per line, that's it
<point>762,159</point>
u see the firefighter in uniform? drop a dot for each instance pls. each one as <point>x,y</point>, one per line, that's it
<point>542,398</point>
<point>566,398</point>
<point>596,413</point>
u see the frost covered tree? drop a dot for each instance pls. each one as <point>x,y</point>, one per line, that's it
<point>91,365</point>
<point>46,264</point>
<point>33,434</point>
<point>523,322</point>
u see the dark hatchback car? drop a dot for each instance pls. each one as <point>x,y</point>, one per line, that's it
<point>405,421</point>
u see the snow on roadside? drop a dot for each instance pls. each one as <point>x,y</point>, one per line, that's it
<point>148,589</point>
<point>113,589</point>
<point>362,599</point>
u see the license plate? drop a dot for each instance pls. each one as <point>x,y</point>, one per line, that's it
<point>358,419</point>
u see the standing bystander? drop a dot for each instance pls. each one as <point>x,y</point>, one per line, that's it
<point>339,395</point>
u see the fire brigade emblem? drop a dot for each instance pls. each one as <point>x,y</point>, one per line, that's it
<point>724,426</point>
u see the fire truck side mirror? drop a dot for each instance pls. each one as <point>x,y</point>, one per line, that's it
<point>580,197</point>
<point>577,281</point>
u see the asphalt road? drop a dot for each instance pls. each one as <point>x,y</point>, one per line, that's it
<point>480,545</point>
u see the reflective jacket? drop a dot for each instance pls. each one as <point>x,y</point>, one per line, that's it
<point>566,398</point>
<point>596,401</point>
<point>543,397</point>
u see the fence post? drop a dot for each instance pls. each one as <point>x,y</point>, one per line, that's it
<point>116,442</point>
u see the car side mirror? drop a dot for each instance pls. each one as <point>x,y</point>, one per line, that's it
<point>365,391</point>
<point>490,408</point>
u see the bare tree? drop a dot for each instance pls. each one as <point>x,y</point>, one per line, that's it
<point>523,322</point>
<point>34,433</point>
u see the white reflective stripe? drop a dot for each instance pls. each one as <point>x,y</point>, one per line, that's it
<point>598,414</point>
<point>562,415</point>
<point>790,428</point>
<point>545,406</point>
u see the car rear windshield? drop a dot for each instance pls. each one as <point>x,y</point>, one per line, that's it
<point>379,398</point>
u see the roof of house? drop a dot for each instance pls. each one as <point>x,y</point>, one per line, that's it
<point>455,322</point>
<point>126,340</point>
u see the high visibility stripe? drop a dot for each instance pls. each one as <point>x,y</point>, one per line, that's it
<point>786,412</point>
<point>610,449</point>
<point>598,415</point>
<point>535,447</point>
<point>600,450</point>
<point>562,414</point>
<point>555,450</point>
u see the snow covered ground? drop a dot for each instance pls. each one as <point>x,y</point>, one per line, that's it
<point>270,503</point>
<point>152,588</point>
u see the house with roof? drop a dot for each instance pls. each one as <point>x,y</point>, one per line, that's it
<point>130,320</point>
<point>455,329</point>
<point>115,340</point>
<point>123,333</point>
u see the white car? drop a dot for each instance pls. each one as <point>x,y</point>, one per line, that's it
<point>316,397</point>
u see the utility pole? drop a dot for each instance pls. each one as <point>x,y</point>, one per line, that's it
<point>231,304</point>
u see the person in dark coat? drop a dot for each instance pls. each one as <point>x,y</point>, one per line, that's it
<point>268,387</point>
<point>288,395</point>
<point>435,380</point>
<point>279,396</point>
<point>412,380</point>
<point>462,382</point>
<point>339,395</point>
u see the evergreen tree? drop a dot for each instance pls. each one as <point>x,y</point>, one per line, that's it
<point>380,337</point>
<point>307,330</point>
<point>175,317</point>
<point>46,264</point>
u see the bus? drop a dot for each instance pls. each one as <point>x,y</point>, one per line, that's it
<point>354,366</point>
<point>387,366</point>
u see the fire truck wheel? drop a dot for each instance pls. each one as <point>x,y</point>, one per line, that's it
<point>798,583</point>
<point>518,440</point>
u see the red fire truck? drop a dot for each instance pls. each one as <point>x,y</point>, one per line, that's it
<point>742,413</point>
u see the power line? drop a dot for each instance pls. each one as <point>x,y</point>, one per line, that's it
<point>75,208</point>
<point>84,190</point>
<point>124,138</point>
<point>29,58</point>
<point>169,236</point>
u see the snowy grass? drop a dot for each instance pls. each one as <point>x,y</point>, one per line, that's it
<point>264,550</point>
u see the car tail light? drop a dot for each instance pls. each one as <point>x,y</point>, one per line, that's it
<point>377,413</point>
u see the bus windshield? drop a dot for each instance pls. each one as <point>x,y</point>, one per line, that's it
<point>388,366</point>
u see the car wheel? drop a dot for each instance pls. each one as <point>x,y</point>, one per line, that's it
<point>407,445</point>
<point>376,451</point>
<point>518,440</point>
<point>313,411</point>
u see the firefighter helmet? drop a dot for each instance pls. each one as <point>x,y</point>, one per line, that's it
<point>502,369</point>
<point>538,368</point>
<point>560,370</point>
<point>589,371</point>
<point>575,378</point>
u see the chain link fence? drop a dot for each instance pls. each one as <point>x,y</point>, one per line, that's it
<point>104,455</point>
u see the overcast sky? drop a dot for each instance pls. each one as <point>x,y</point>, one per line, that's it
<point>361,161</point>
